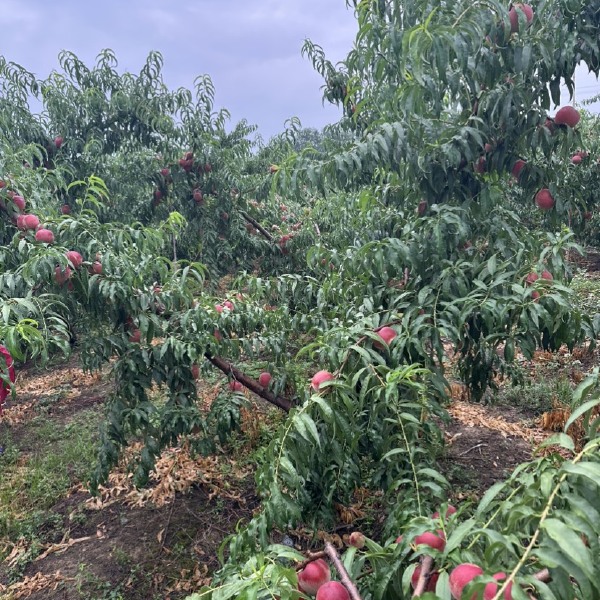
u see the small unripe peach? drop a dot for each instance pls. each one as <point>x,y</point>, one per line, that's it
<point>356,539</point>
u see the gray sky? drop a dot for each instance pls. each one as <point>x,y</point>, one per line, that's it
<point>250,48</point>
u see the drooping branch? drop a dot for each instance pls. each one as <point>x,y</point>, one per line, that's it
<point>339,567</point>
<point>256,224</point>
<point>251,384</point>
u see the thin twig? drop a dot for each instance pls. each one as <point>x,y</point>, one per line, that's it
<point>166,529</point>
<point>311,556</point>
<point>339,567</point>
<point>473,448</point>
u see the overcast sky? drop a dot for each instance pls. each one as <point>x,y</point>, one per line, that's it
<point>250,48</point>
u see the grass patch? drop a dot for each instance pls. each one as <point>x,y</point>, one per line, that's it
<point>38,468</point>
<point>535,398</point>
<point>587,293</point>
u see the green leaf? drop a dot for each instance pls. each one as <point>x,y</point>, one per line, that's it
<point>570,543</point>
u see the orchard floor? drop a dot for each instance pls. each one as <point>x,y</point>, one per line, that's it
<point>57,542</point>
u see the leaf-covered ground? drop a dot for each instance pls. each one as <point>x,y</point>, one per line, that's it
<point>57,542</point>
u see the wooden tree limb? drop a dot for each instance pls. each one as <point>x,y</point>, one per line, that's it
<point>256,224</point>
<point>339,567</point>
<point>251,384</point>
<point>424,575</point>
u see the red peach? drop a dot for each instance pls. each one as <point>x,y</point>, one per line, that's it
<point>430,587</point>
<point>491,589</point>
<point>74,258</point>
<point>264,379</point>
<point>314,575</point>
<point>517,168</point>
<point>333,590</point>
<point>438,542</point>
<point>567,115</point>
<point>544,199</point>
<point>44,235</point>
<point>387,334</point>
<point>525,9</point>
<point>462,575</point>
<point>320,378</point>
<point>31,222</point>
<point>135,337</point>
<point>62,275</point>
<point>449,511</point>
<point>19,201</point>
